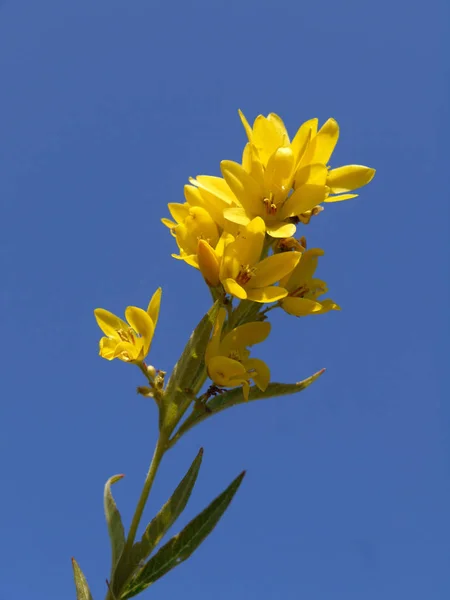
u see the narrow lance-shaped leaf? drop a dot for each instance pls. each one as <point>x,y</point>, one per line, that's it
<point>114,522</point>
<point>189,371</point>
<point>83,592</point>
<point>171,510</point>
<point>235,396</point>
<point>181,546</point>
<point>158,527</point>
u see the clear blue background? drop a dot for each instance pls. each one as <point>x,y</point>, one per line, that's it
<point>106,108</point>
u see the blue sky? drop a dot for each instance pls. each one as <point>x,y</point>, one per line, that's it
<point>106,108</point>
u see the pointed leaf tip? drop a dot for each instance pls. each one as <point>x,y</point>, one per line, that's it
<point>114,521</point>
<point>182,545</point>
<point>158,527</point>
<point>82,588</point>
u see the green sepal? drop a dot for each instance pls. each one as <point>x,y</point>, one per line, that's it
<point>158,527</point>
<point>181,546</point>
<point>114,522</point>
<point>189,373</point>
<point>235,396</point>
<point>83,592</point>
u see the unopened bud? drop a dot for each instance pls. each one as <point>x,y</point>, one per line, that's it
<point>159,380</point>
<point>208,263</point>
<point>151,371</point>
<point>145,391</point>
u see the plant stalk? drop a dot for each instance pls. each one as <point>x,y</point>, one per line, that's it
<point>161,447</point>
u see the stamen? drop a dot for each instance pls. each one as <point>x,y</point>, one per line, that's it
<point>245,274</point>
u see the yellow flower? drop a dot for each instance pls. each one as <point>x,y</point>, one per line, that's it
<point>304,290</point>
<point>281,180</point>
<point>214,195</point>
<point>129,341</point>
<point>191,223</point>
<point>236,264</point>
<point>227,359</point>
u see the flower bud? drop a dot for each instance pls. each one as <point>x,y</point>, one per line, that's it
<point>208,263</point>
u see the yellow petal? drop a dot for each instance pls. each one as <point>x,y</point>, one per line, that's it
<point>233,288</point>
<point>266,294</point>
<point>261,374</point>
<point>208,263</point>
<point>216,186</point>
<point>192,195</point>
<point>197,225</point>
<point>279,229</point>
<point>225,239</point>
<point>278,171</point>
<point>252,164</point>
<point>268,135</point>
<point>129,352</point>
<point>222,370</point>
<point>245,389</point>
<point>303,137</point>
<point>153,306</point>
<point>178,211</point>
<point>314,173</point>
<point>280,126</point>
<point>348,178</point>
<point>303,199</point>
<point>109,323</point>
<point>246,189</point>
<point>168,223</point>
<point>340,197</point>
<point>247,158</point>
<point>328,305</point>
<point>236,215</point>
<point>245,335</point>
<point>304,270</point>
<point>300,307</point>
<point>273,268</point>
<point>247,247</point>
<point>245,123</point>
<point>325,141</point>
<point>141,322</point>
<point>107,348</point>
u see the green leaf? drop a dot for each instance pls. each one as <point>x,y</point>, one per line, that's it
<point>189,373</point>
<point>81,585</point>
<point>158,527</point>
<point>114,522</point>
<point>181,546</point>
<point>173,508</point>
<point>235,396</point>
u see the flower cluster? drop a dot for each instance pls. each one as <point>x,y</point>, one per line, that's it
<point>239,231</point>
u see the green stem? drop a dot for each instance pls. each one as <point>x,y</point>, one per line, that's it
<point>160,449</point>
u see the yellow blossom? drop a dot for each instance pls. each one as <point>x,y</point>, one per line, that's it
<point>227,358</point>
<point>304,290</point>
<point>129,341</point>
<point>281,180</point>
<point>191,223</point>
<point>236,263</point>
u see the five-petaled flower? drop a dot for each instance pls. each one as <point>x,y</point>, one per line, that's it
<point>304,290</point>
<point>227,356</point>
<point>129,341</point>
<point>237,264</point>
<point>280,180</point>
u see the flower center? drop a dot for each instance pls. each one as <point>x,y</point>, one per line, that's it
<point>235,355</point>
<point>127,336</point>
<point>308,291</point>
<point>245,274</point>
<point>269,205</point>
